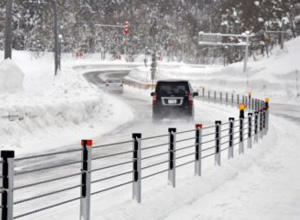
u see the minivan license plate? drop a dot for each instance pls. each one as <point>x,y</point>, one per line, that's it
<point>172,101</point>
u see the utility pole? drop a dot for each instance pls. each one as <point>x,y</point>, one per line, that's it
<point>8,30</point>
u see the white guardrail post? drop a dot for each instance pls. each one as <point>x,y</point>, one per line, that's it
<point>231,138</point>
<point>198,150</point>
<point>85,201</point>
<point>242,116</point>
<point>7,184</point>
<point>256,127</point>
<point>137,153</point>
<point>172,157</point>
<point>250,130</point>
<point>218,143</point>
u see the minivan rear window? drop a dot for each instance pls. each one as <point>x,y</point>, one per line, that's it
<point>114,81</point>
<point>172,88</point>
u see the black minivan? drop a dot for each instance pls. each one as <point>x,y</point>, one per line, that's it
<point>173,99</point>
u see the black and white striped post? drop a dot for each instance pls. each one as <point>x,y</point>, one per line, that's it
<point>249,100</point>
<point>250,130</point>
<point>172,157</point>
<point>231,138</point>
<point>218,143</point>
<point>226,97</point>
<point>267,114</point>
<point>221,97</point>
<point>7,184</point>
<point>261,123</point>
<point>242,116</point>
<point>198,150</point>
<point>256,127</point>
<point>85,201</point>
<point>215,96</point>
<point>137,174</point>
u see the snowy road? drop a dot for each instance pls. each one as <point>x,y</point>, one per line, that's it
<point>263,184</point>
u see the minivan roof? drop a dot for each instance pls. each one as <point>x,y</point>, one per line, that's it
<point>173,80</point>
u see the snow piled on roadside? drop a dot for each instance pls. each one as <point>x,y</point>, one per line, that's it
<point>273,77</point>
<point>11,77</point>
<point>54,111</point>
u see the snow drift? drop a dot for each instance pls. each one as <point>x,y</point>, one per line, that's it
<point>11,77</point>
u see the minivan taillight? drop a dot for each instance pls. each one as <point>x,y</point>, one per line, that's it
<point>191,99</point>
<point>154,99</point>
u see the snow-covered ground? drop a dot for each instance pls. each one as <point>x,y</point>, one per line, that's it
<point>53,112</point>
<point>274,77</point>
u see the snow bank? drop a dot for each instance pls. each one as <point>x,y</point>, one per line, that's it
<point>55,111</point>
<point>274,77</point>
<point>11,77</point>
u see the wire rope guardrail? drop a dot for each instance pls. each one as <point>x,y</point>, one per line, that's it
<point>207,142</point>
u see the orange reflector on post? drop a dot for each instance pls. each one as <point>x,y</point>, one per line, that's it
<point>267,99</point>
<point>242,106</point>
<point>87,143</point>
<point>198,126</point>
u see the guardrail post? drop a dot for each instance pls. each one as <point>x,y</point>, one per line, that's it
<point>215,96</point>
<point>256,126</point>
<point>264,121</point>
<point>218,143</point>
<point>226,98</point>
<point>253,105</point>
<point>267,115</point>
<point>231,137</point>
<point>232,99</point>
<point>238,99</point>
<point>208,95</point>
<point>7,184</point>
<point>203,92</point>
<point>250,130</point>
<point>198,150</point>
<point>249,100</point>
<point>137,151</point>
<point>221,97</point>
<point>242,116</point>
<point>261,123</point>
<point>172,157</point>
<point>85,201</point>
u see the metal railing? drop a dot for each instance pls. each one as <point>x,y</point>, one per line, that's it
<point>131,162</point>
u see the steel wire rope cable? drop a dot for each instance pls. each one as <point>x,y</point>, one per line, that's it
<point>46,181</point>
<point>186,155</point>
<point>184,148</point>
<point>156,164</point>
<point>154,146</point>
<point>46,194</point>
<point>154,174</point>
<point>111,166</point>
<point>48,168</point>
<point>186,163</point>
<point>187,131</point>
<point>110,188</point>
<point>46,155</point>
<point>186,139</point>
<point>153,137</point>
<point>112,144</point>
<point>111,177</point>
<point>154,155</point>
<point>112,155</point>
<point>46,208</point>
